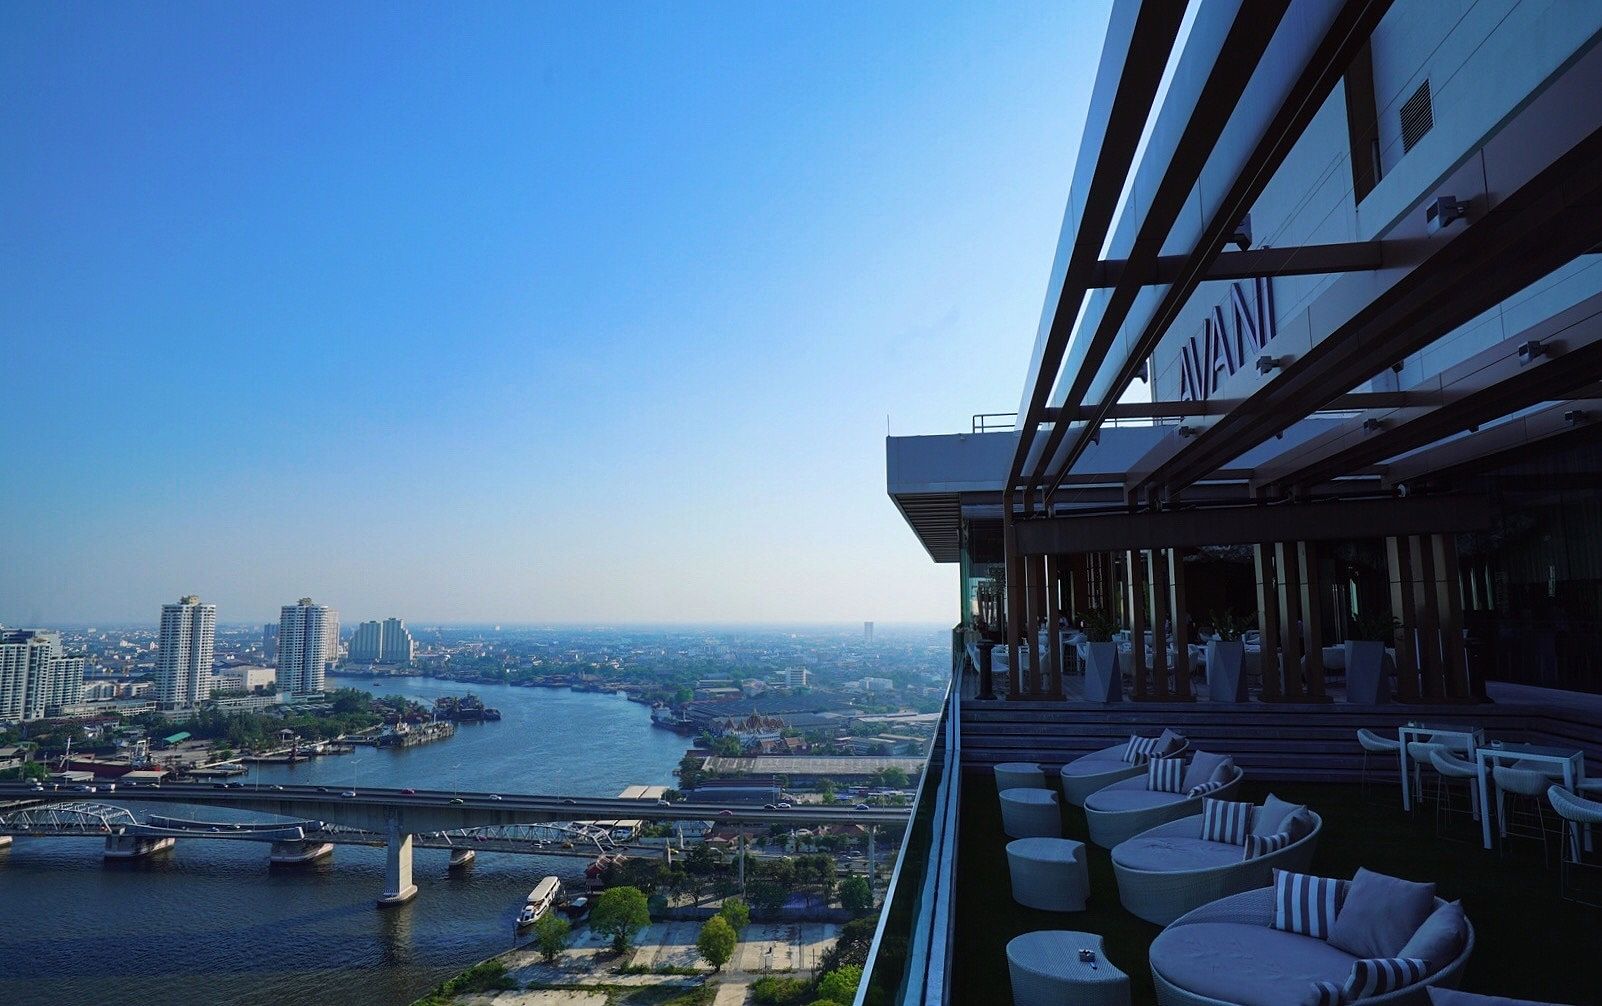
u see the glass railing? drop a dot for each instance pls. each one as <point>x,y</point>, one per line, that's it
<point>911,951</point>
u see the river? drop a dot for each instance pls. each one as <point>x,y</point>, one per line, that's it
<point>210,923</point>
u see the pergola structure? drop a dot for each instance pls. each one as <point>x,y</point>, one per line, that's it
<point>1250,79</point>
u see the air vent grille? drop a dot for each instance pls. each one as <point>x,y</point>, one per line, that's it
<point>1418,117</point>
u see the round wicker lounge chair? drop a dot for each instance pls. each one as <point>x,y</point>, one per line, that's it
<point>1292,963</point>
<point>1123,810</point>
<point>1169,870</point>
<point>1088,773</point>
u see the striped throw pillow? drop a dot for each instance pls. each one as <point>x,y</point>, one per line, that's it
<point>1262,845</point>
<point>1306,905</point>
<point>1378,975</point>
<point>1205,788</point>
<point>1139,749</point>
<point>1325,994</point>
<point>1164,775</point>
<point>1225,821</point>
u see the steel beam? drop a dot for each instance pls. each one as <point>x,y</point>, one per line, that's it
<point>1497,444</point>
<point>1309,260</point>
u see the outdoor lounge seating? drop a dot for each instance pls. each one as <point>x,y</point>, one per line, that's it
<point>1048,873</point>
<point>1088,773</point>
<point>1227,953</point>
<point>1019,775</point>
<point>1030,813</point>
<point>1170,869</point>
<point>1124,809</point>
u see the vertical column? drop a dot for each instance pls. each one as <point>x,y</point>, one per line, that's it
<point>1135,597</point>
<point>1014,607</point>
<point>1180,612</point>
<point>1267,620</point>
<point>1307,555</point>
<point>1399,563</point>
<point>1157,573</point>
<point>398,886</point>
<point>1035,571</point>
<point>1290,617</point>
<point>1078,599</point>
<point>1054,576</point>
<point>1425,610</point>
<point>1448,603</point>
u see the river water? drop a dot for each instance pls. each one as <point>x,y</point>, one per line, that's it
<point>209,922</point>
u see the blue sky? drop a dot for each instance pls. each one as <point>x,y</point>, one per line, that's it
<point>511,312</point>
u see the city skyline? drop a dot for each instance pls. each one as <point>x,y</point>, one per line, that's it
<point>596,316</point>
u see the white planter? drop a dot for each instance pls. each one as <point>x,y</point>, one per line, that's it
<point>1226,671</point>
<point>1102,680</point>
<point>1366,681</point>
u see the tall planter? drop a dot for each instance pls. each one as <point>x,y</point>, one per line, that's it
<point>1226,670</point>
<point>1366,681</point>
<point>1103,683</point>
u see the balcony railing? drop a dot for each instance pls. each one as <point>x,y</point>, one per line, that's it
<point>907,963</point>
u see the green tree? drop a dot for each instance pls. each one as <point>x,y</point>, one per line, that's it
<point>826,790</point>
<point>728,746</point>
<point>552,934</point>
<point>737,912</point>
<point>716,942</point>
<point>855,894</point>
<point>892,778</point>
<point>620,913</point>
<point>840,985</point>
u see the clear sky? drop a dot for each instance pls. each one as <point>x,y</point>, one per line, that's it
<point>511,312</point>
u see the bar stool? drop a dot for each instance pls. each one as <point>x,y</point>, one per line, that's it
<point>1376,744</point>
<point>1418,752</point>
<point>1453,771</point>
<point>1579,813</point>
<point>1523,785</point>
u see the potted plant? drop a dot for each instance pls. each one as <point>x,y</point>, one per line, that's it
<point>1102,680</point>
<point>1366,680</point>
<point>1226,658</point>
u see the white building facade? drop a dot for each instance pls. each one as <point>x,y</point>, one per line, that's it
<point>386,642</point>
<point>184,652</point>
<point>308,641</point>
<point>37,678</point>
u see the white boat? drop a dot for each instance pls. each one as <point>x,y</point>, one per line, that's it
<point>540,901</point>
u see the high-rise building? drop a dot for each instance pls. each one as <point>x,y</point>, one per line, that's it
<point>386,642</point>
<point>269,642</point>
<point>867,632</point>
<point>308,641</point>
<point>184,651</point>
<point>36,676</point>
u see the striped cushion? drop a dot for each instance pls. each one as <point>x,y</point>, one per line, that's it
<point>1262,845</point>
<point>1163,775</point>
<point>1378,975</point>
<point>1205,788</point>
<point>1325,994</point>
<point>1305,904</point>
<point>1224,821</point>
<point>1139,749</point>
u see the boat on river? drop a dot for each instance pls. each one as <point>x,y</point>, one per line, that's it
<point>540,901</point>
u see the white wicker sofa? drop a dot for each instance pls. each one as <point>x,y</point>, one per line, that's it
<point>1227,953</point>
<point>1119,812</point>
<point>1169,870</point>
<point>1090,772</point>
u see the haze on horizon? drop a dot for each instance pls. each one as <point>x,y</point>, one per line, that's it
<point>527,314</point>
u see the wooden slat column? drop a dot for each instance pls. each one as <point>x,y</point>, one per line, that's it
<point>1157,574</point>
<point>1134,595</point>
<point>1180,612</point>
<point>1078,600</point>
<point>1312,583</point>
<point>1267,620</point>
<point>1056,583</point>
<point>1015,604</point>
<point>1431,671</point>
<point>1399,562</point>
<point>1290,617</point>
<point>1035,575</point>
<point>1449,606</point>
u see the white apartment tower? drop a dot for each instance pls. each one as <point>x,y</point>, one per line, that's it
<point>36,676</point>
<point>184,652</point>
<point>386,642</point>
<point>308,641</point>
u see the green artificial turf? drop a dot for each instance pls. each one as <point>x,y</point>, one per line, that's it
<point>1529,942</point>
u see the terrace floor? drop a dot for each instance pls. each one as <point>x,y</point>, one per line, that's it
<point>1530,943</point>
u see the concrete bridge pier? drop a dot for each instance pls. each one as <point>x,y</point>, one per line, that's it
<point>136,846</point>
<point>398,886</point>
<point>291,853</point>
<point>5,841</point>
<point>461,858</point>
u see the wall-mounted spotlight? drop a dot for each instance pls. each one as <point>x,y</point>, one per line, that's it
<point>1373,425</point>
<point>1241,236</point>
<point>1188,431</point>
<point>1267,363</point>
<point>1532,350</point>
<point>1575,417</point>
<point>1443,211</point>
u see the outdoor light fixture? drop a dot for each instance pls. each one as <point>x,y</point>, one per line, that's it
<point>1443,211</point>
<point>1267,363</point>
<point>1241,236</point>
<point>1534,349</point>
<point>1371,425</point>
<point>1575,417</point>
<point>1188,431</point>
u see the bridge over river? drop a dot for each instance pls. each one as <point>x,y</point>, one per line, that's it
<point>318,817</point>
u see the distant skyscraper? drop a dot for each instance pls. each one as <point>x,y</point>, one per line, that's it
<point>385,642</point>
<point>867,631</point>
<point>35,675</point>
<point>184,651</point>
<point>269,642</point>
<point>308,641</point>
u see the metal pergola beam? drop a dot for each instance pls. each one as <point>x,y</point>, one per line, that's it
<point>1245,525</point>
<point>1309,260</point>
<point>1218,407</point>
<point>1498,444</point>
